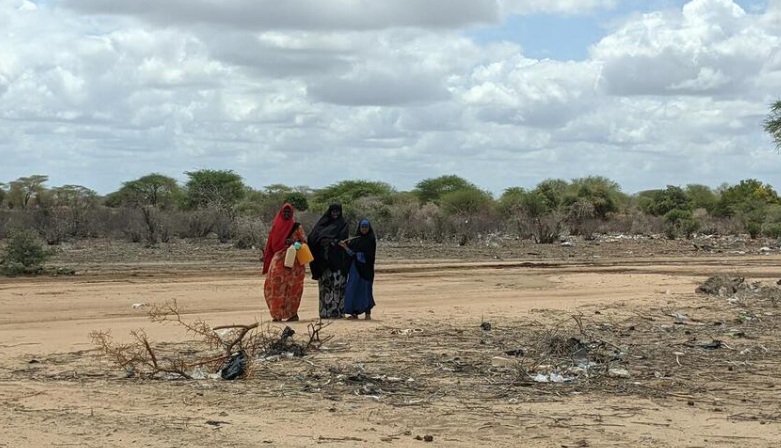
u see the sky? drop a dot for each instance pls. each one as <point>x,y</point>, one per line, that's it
<point>311,92</point>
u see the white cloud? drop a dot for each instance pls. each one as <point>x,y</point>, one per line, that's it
<point>393,90</point>
<point>710,47</point>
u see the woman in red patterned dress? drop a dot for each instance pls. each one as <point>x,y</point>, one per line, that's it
<point>284,286</point>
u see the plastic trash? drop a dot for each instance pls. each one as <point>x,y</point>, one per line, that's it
<point>235,367</point>
<point>714,345</point>
<point>486,326</point>
<point>619,373</point>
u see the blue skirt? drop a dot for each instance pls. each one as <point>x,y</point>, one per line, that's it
<point>358,296</point>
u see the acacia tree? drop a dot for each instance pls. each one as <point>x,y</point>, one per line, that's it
<point>432,190</point>
<point>23,190</point>
<point>155,190</point>
<point>773,123</point>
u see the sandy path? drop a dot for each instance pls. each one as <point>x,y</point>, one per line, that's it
<point>50,319</point>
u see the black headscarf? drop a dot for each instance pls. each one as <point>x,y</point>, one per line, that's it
<point>368,245</point>
<point>331,256</point>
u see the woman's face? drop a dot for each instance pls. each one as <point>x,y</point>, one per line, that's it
<point>287,213</point>
<point>364,229</point>
<point>336,213</point>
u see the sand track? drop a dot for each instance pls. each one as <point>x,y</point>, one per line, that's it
<point>68,399</point>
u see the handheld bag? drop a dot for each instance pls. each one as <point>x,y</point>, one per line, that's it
<point>290,257</point>
<point>304,255</point>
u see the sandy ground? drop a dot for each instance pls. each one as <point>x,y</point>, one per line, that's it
<point>71,396</point>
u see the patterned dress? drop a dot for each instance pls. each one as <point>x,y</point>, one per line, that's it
<point>285,286</point>
<point>332,285</point>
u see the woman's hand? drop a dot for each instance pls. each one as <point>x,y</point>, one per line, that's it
<point>343,245</point>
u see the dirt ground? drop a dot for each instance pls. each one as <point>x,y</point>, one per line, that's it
<point>422,367</point>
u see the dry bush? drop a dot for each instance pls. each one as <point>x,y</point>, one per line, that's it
<point>199,223</point>
<point>249,233</point>
<point>213,348</point>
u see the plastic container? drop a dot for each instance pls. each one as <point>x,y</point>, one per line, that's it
<point>290,257</point>
<point>304,255</point>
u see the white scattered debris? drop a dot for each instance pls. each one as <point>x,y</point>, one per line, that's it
<point>567,244</point>
<point>138,306</point>
<point>619,373</point>
<point>551,378</point>
<point>765,250</point>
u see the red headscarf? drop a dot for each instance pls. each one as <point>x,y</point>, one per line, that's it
<point>280,231</point>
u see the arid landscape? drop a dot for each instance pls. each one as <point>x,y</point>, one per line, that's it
<point>469,346</point>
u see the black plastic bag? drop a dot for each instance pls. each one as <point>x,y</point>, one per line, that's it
<point>235,367</point>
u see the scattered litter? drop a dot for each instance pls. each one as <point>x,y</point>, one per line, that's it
<point>138,306</point>
<point>33,361</point>
<point>679,316</point>
<point>216,423</point>
<point>518,352</point>
<point>551,378</point>
<point>714,345</point>
<point>747,317</point>
<point>619,373</point>
<point>486,326</point>
<point>407,331</point>
<point>235,367</point>
<point>567,244</point>
<point>765,250</point>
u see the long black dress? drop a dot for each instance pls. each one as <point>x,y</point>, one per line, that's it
<point>330,265</point>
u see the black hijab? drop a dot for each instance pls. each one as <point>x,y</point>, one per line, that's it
<point>368,245</point>
<point>331,256</point>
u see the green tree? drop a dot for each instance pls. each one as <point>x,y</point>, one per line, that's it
<point>3,193</point>
<point>155,190</point>
<point>600,193</point>
<point>553,192</point>
<point>73,196</point>
<point>468,201</point>
<point>432,190</point>
<point>214,187</point>
<point>701,196</point>
<point>24,254</point>
<point>24,190</point>
<point>749,200</point>
<point>511,200</point>
<point>661,202</point>
<point>349,191</point>
<point>773,123</point>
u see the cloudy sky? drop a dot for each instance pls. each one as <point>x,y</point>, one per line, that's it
<point>309,92</point>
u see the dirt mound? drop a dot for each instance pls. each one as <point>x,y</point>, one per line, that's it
<point>721,285</point>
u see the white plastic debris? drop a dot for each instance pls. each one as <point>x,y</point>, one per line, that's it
<point>541,378</point>
<point>619,373</point>
<point>138,306</point>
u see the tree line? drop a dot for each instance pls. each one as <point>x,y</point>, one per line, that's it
<point>156,208</point>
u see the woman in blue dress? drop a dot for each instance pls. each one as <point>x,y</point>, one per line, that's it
<point>362,250</point>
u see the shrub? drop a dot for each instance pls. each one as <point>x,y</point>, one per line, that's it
<point>24,254</point>
<point>467,202</point>
<point>297,200</point>
<point>680,222</point>
<point>772,230</point>
<point>754,230</point>
<point>249,233</point>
